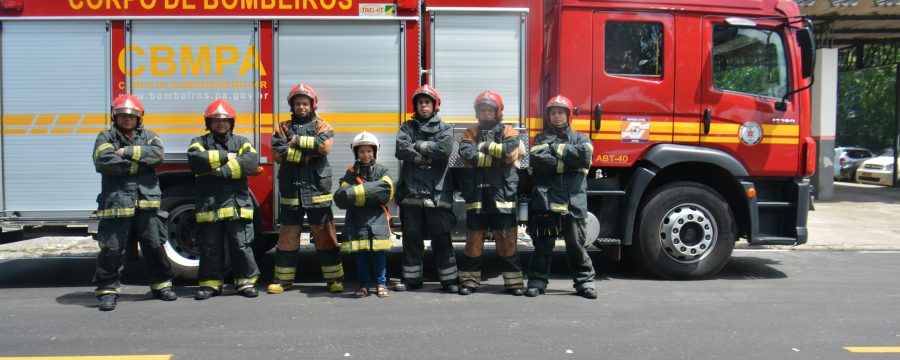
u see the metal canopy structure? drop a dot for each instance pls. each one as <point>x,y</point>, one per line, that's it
<point>866,32</point>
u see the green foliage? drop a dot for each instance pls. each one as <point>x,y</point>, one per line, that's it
<point>865,111</point>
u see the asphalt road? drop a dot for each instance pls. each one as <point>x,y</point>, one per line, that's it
<point>763,305</point>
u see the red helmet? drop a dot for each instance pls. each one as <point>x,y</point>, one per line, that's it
<point>127,104</point>
<point>560,101</point>
<point>305,90</point>
<point>489,97</point>
<point>427,90</point>
<point>219,109</point>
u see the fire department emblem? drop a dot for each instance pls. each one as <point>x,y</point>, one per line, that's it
<point>750,133</point>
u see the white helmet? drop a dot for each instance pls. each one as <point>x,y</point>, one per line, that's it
<point>364,138</point>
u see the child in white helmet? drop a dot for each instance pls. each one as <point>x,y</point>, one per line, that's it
<point>364,191</point>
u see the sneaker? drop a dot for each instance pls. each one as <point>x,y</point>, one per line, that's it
<point>165,294</point>
<point>206,293</point>
<point>588,293</point>
<point>108,302</point>
<point>335,287</point>
<point>248,292</point>
<point>278,288</point>
<point>533,292</point>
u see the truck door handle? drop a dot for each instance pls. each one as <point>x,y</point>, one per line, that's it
<point>598,110</point>
<point>707,119</point>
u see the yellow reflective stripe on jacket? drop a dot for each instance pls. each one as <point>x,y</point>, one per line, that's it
<point>390,183</point>
<point>100,148</point>
<point>289,201</point>
<point>294,155</point>
<point>358,245</point>
<point>496,149</point>
<point>115,212</point>
<point>506,204</point>
<point>556,207</point>
<point>560,165</point>
<point>214,161</point>
<point>321,198</point>
<point>344,183</point>
<point>235,169</point>
<point>473,206</point>
<point>539,147</point>
<point>225,213</point>
<point>197,146</point>
<point>360,192</point>
<point>148,204</point>
<point>135,153</point>
<point>484,160</point>
<point>245,147</point>
<point>307,142</point>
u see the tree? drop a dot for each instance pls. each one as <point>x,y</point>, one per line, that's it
<point>865,111</point>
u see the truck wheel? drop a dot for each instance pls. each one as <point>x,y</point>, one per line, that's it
<point>685,231</point>
<point>183,254</point>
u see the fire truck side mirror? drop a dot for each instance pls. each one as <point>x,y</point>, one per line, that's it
<point>806,40</point>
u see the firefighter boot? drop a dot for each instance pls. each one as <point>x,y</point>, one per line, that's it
<point>108,302</point>
<point>165,294</point>
<point>285,271</point>
<point>248,292</point>
<point>206,292</point>
<point>533,292</point>
<point>588,293</point>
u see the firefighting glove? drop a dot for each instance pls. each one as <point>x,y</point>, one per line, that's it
<point>485,146</point>
<point>218,172</point>
<point>421,160</point>
<point>544,224</point>
<point>421,146</point>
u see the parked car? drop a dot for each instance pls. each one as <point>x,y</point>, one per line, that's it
<point>847,159</point>
<point>877,170</point>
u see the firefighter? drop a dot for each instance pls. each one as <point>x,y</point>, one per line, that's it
<point>560,160</point>
<point>425,193</point>
<point>127,156</point>
<point>489,184</point>
<point>365,190</point>
<point>221,162</point>
<point>301,145</point>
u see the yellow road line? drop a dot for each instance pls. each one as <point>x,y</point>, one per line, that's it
<point>101,357</point>
<point>873,349</point>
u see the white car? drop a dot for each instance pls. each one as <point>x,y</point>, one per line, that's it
<point>846,159</point>
<point>877,170</point>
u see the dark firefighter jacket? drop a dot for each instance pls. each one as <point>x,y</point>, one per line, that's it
<point>489,173</point>
<point>128,181</point>
<point>560,162</point>
<point>425,148</point>
<point>364,192</point>
<point>222,188</point>
<point>304,177</point>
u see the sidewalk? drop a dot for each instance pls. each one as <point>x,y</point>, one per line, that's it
<point>861,217</point>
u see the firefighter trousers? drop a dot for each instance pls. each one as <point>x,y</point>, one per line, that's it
<point>510,265</point>
<point>416,223</point>
<point>573,231</point>
<point>146,227</point>
<point>328,251</point>
<point>212,238</point>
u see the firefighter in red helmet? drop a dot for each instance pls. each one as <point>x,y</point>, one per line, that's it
<point>489,184</point>
<point>126,156</point>
<point>425,192</point>
<point>560,161</point>
<point>301,146</point>
<point>221,162</point>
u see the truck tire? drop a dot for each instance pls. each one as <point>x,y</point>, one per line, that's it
<point>183,254</point>
<point>685,231</point>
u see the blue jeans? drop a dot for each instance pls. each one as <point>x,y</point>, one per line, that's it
<point>369,265</point>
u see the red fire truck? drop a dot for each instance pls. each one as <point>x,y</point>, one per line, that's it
<point>697,109</point>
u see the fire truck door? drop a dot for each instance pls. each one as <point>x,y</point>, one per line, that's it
<point>748,73</point>
<point>55,100</point>
<point>177,67</point>
<point>632,85</point>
